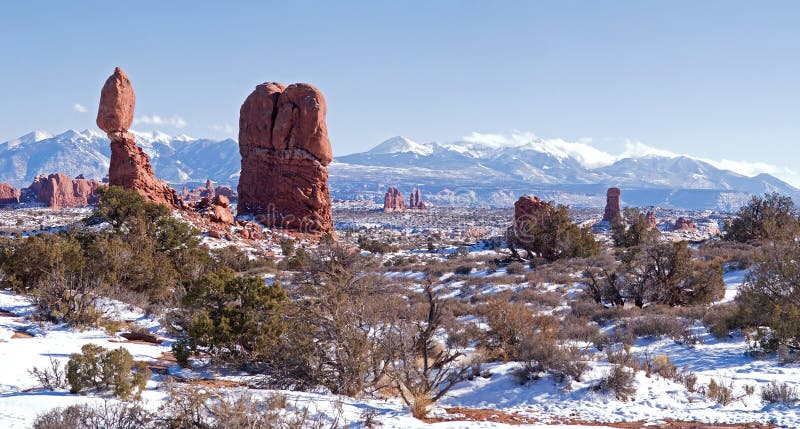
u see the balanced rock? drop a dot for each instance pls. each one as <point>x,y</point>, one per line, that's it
<point>58,190</point>
<point>117,101</point>
<point>285,151</point>
<point>9,194</point>
<point>130,167</point>
<point>415,201</point>
<point>393,201</point>
<point>613,209</point>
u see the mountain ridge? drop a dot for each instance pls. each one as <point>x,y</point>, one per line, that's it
<point>481,173</point>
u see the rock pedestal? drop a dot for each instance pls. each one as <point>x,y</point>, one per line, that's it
<point>130,167</point>
<point>613,209</point>
<point>285,151</point>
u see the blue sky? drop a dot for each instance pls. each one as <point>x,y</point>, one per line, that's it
<point>714,79</point>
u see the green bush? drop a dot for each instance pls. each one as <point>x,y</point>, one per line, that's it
<point>771,217</point>
<point>236,317</point>
<point>97,368</point>
<point>552,236</point>
<point>632,229</point>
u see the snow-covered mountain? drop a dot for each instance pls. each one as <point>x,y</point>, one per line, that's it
<point>575,173</point>
<point>460,172</point>
<point>178,159</point>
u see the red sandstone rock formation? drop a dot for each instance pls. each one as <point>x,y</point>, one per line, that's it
<point>530,209</point>
<point>59,191</point>
<point>130,167</point>
<point>227,192</point>
<point>210,188</point>
<point>9,194</point>
<point>651,220</point>
<point>613,209</point>
<point>207,191</point>
<point>393,201</point>
<point>220,211</point>
<point>415,201</point>
<point>683,224</point>
<point>285,151</point>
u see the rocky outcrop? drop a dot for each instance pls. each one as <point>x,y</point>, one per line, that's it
<point>415,201</point>
<point>207,191</point>
<point>210,189</point>
<point>9,194</point>
<point>226,192</point>
<point>393,201</point>
<point>613,209</point>
<point>529,209</point>
<point>683,224</point>
<point>221,213</point>
<point>285,151</point>
<point>130,167</point>
<point>58,190</point>
<point>651,220</point>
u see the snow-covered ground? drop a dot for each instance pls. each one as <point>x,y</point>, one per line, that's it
<point>543,401</point>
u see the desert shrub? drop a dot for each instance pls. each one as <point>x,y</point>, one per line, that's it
<point>775,392</point>
<point>508,324</point>
<point>109,415</point>
<point>69,298</point>
<point>718,392</point>
<point>721,319</point>
<point>199,407</point>
<point>239,318</point>
<point>619,381</point>
<point>667,273</point>
<point>538,297</point>
<point>656,326</point>
<point>299,261</point>
<point>376,246</point>
<point>28,262</point>
<point>237,260</point>
<point>733,254</point>
<point>577,329</point>
<point>515,268</point>
<point>771,217</point>
<point>463,270</point>
<point>551,236</point>
<point>50,377</point>
<point>632,229</point>
<point>182,351</point>
<point>287,247</point>
<point>462,335</point>
<point>770,294</point>
<point>421,369</point>
<point>542,354</point>
<point>605,281</point>
<point>661,365</point>
<point>689,380</point>
<point>106,370</point>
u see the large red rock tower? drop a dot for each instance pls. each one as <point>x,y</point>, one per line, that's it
<point>285,152</point>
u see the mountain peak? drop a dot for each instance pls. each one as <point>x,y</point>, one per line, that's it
<point>31,137</point>
<point>400,144</point>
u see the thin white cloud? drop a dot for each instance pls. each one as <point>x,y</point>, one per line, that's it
<point>591,157</point>
<point>80,108</point>
<point>582,150</point>
<point>224,129</point>
<point>175,121</point>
